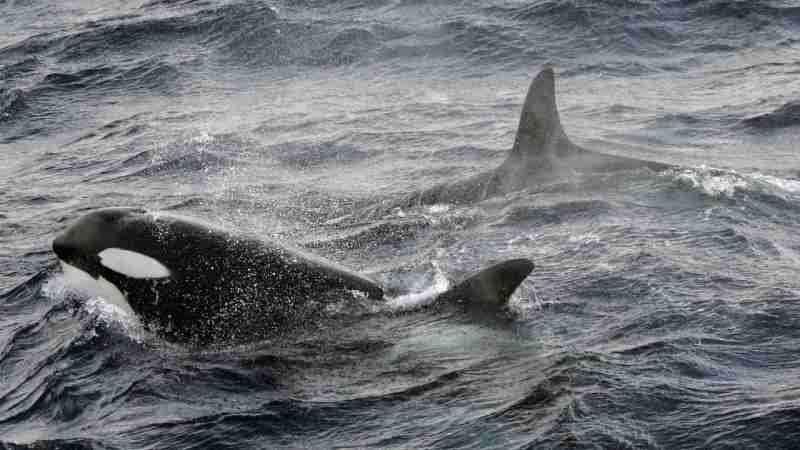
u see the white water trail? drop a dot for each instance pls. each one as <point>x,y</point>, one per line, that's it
<point>414,300</point>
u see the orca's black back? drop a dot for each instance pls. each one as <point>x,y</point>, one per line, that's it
<point>225,288</point>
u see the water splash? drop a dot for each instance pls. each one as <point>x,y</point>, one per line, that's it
<point>726,183</point>
<point>414,300</point>
<point>96,299</point>
<point>778,185</point>
<point>713,182</point>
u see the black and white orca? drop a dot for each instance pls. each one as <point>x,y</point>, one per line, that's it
<point>200,285</point>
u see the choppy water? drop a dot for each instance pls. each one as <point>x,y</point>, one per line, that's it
<point>664,311</point>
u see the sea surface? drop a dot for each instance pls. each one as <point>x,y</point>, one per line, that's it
<point>664,309</point>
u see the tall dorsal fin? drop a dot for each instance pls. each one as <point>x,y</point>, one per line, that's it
<point>542,153</point>
<point>540,133</point>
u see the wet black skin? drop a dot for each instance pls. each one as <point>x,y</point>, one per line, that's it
<point>222,287</point>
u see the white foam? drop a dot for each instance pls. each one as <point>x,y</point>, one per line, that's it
<point>787,185</point>
<point>113,304</point>
<point>722,182</point>
<point>203,138</point>
<point>439,208</point>
<point>415,300</point>
<point>132,264</point>
<point>714,182</point>
<point>584,239</point>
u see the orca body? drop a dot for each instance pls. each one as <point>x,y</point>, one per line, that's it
<point>542,152</point>
<point>196,284</point>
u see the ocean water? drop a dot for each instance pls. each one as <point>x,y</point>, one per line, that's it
<point>664,310</point>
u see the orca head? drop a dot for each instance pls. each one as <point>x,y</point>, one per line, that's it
<point>105,240</point>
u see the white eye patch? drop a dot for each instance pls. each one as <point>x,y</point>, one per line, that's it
<point>132,264</point>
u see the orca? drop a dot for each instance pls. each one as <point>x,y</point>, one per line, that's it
<point>200,285</point>
<point>542,152</point>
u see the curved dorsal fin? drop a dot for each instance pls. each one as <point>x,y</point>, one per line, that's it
<point>540,133</point>
<point>491,287</point>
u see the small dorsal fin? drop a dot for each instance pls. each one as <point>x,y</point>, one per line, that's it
<point>490,288</point>
<point>540,133</point>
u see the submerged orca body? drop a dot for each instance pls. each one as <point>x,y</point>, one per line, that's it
<point>541,152</point>
<point>200,285</point>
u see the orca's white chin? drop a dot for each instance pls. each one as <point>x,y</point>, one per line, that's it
<point>84,283</point>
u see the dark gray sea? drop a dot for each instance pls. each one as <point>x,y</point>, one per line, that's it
<point>664,309</point>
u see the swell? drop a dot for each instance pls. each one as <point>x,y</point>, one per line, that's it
<point>58,444</point>
<point>202,163</point>
<point>650,28</point>
<point>245,32</point>
<point>728,9</point>
<point>559,213</point>
<point>17,70</point>
<point>12,104</point>
<point>308,155</point>
<point>199,156</point>
<point>149,74</point>
<point>132,54</point>
<point>46,105</point>
<point>758,195</point>
<point>250,33</point>
<point>33,380</point>
<point>788,115</point>
<point>380,234</point>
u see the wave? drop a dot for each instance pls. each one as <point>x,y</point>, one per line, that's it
<point>12,104</point>
<point>482,41</point>
<point>740,10</point>
<point>123,35</point>
<point>172,163</point>
<point>99,40</point>
<point>121,127</point>
<point>19,69</point>
<point>25,443</point>
<point>306,155</point>
<point>183,165</point>
<point>251,33</point>
<point>294,43</point>
<point>28,47</point>
<point>604,12</point>
<point>568,13</point>
<point>346,47</point>
<point>174,3</point>
<point>558,213</point>
<point>623,67</point>
<point>47,99</point>
<point>149,74</point>
<point>384,233</point>
<point>787,115</point>
<point>650,29</point>
<point>727,183</point>
<point>244,34</point>
<point>737,198</point>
